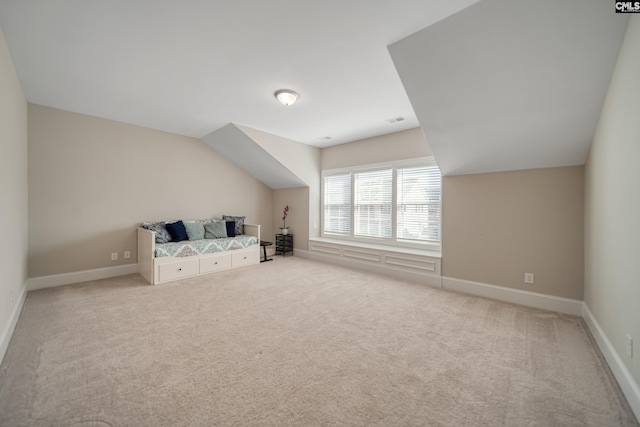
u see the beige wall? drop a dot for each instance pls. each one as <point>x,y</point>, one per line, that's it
<point>612,208</point>
<point>497,226</point>
<point>408,144</point>
<point>13,190</point>
<point>92,181</point>
<point>298,201</point>
<point>304,161</point>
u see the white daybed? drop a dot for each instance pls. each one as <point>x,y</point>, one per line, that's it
<point>161,263</point>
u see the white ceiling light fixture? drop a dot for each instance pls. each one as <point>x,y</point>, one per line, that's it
<point>286,96</point>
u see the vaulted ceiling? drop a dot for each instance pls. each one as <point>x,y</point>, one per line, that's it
<point>494,84</point>
<point>247,153</point>
<point>508,85</point>
<point>194,66</point>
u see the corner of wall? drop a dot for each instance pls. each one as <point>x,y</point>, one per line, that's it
<point>14,189</point>
<point>10,325</point>
<point>625,379</point>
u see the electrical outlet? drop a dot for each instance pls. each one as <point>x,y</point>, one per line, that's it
<point>629,346</point>
<point>114,256</point>
<point>528,278</point>
<point>127,254</point>
<point>12,296</point>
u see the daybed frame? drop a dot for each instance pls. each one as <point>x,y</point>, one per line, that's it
<point>167,269</point>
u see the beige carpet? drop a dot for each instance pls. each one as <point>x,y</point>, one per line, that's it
<point>295,342</point>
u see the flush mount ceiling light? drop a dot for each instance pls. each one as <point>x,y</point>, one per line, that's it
<point>396,119</point>
<point>286,96</point>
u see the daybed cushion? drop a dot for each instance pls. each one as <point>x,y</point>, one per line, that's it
<point>215,230</point>
<point>162,235</point>
<point>177,231</point>
<point>239,220</point>
<point>195,230</point>
<point>206,246</point>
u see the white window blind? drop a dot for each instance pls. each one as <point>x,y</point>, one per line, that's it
<point>418,203</point>
<point>373,203</point>
<point>395,203</point>
<point>337,204</point>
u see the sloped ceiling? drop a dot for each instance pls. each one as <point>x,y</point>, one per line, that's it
<point>242,150</point>
<point>508,85</point>
<point>193,66</point>
<point>494,84</point>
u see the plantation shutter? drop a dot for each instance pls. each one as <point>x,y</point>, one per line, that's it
<point>337,204</point>
<point>373,202</point>
<point>418,200</point>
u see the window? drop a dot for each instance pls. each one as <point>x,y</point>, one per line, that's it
<point>337,204</point>
<point>396,204</point>
<point>372,203</point>
<point>419,203</point>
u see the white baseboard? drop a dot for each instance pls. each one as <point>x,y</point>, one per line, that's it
<point>516,296</point>
<point>301,253</point>
<point>7,333</point>
<point>42,282</point>
<point>430,280</point>
<point>627,383</point>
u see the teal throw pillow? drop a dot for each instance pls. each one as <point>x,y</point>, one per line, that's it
<point>215,230</point>
<point>195,230</point>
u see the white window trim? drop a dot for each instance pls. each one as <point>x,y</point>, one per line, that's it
<point>393,241</point>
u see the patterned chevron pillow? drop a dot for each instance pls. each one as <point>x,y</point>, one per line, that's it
<point>239,220</point>
<point>162,235</point>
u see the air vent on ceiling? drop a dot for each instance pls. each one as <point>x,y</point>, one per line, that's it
<point>325,138</point>
<point>396,119</point>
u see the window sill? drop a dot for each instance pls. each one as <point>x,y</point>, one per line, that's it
<point>378,247</point>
